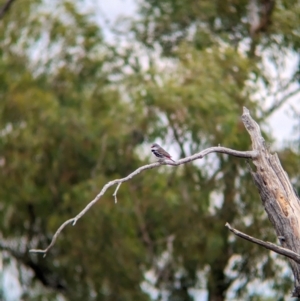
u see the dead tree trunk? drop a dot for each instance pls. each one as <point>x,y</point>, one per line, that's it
<point>279,199</point>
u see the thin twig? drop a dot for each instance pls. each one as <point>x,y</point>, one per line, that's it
<point>268,245</point>
<point>116,191</point>
<point>216,149</point>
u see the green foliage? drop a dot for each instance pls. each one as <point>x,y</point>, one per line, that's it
<point>203,23</point>
<point>68,126</point>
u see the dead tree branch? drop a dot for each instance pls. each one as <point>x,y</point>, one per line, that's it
<point>268,245</point>
<point>218,149</point>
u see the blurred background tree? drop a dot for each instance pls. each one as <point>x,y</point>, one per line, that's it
<point>78,111</point>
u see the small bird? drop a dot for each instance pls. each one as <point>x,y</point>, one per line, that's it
<point>159,152</point>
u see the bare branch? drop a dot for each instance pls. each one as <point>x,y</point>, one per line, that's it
<point>280,102</point>
<point>5,8</point>
<point>268,245</point>
<point>96,199</point>
<point>217,149</point>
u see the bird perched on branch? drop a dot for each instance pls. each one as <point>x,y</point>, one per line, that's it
<point>159,152</point>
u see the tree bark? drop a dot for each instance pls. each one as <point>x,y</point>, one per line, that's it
<point>277,194</point>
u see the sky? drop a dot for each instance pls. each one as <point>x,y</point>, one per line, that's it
<point>115,8</point>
